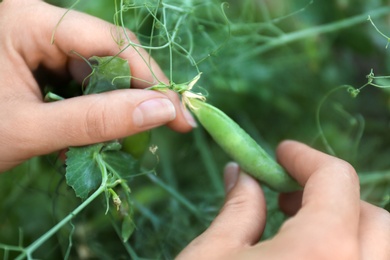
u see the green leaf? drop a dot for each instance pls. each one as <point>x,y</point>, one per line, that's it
<point>112,146</point>
<point>126,215</point>
<point>121,163</point>
<point>109,73</point>
<point>51,97</point>
<point>82,171</point>
<point>128,227</point>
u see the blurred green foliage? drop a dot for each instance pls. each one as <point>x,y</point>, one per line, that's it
<point>273,94</point>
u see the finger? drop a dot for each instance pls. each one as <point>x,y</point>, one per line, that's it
<point>330,203</point>
<point>90,119</point>
<point>96,38</point>
<point>302,161</point>
<point>374,232</point>
<point>184,121</point>
<point>85,35</point>
<point>330,184</point>
<point>242,217</point>
<point>240,222</point>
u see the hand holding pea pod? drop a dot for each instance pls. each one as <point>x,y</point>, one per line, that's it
<point>234,140</point>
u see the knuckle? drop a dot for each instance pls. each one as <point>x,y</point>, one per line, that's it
<point>96,123</point>
<point>236,203</point>
<point>125,36</point>
<point>346,170</point>
<point>239,204</point>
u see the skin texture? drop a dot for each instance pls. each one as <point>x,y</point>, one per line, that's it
<point>30,127</point>
<point>329,220</point>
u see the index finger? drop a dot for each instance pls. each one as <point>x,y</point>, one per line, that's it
<point>99,38</point>
<point>331,200</point>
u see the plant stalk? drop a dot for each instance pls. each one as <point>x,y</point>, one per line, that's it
<point>28,251</point>
<point>327,28</point>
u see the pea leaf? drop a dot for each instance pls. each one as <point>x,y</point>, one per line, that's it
<point>51,97</point>
<point>123,164</point>
<point>109,73</point>
<point>128,227</point>
<point>82,171</point>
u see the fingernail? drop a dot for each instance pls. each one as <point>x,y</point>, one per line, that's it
<point>231,173</point>
<point>154,112</point>
<point>190,119</point>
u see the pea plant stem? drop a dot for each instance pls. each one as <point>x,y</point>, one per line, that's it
<point>209,162</point>
<point>133,255</point>
<point>324,140</point>
<point>28,251</point>
<point>327,28</point>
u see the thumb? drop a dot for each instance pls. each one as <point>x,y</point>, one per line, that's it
<point>97,118</point>
<point>240,222</point>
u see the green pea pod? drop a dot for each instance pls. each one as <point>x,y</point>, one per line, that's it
<point>137,144</point>
<point>242,148</point>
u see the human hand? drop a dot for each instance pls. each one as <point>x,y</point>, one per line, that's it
<point>30,127</point>
<point>330,221</point>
